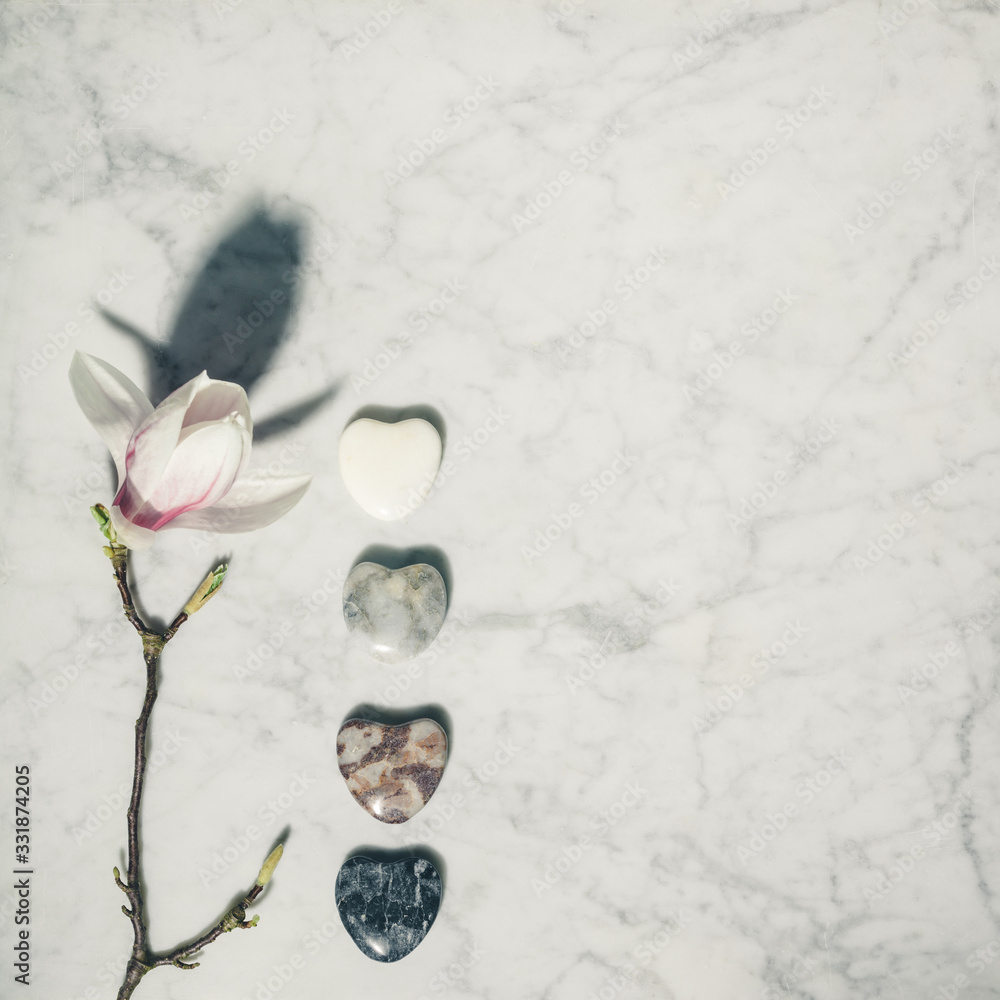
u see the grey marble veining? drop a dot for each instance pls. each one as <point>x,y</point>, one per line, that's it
<point>706,299</point>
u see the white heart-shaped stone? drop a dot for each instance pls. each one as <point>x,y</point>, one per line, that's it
<point>389,468</point>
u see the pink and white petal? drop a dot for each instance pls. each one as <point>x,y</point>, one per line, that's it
<point>235,422</point>
<point>156,437</point>
<point>201,471</point>
<point>254,501</point>
<point>111,402</point>
<point>128,500</point>
<point>131,535</point>
<point>217,400</point>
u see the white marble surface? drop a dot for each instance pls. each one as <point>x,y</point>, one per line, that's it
<point>562,279</point>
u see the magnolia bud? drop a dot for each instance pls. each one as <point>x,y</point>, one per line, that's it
<point>103,519</point>
<point>208,587</point>
<point>267,869</point>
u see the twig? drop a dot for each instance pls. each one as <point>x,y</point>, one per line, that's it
<point>236,917</point>
<point>143,960</point>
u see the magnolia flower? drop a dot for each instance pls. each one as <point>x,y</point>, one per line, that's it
<point>180,465</point>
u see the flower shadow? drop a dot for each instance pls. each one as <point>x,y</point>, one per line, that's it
<point>235,317</point>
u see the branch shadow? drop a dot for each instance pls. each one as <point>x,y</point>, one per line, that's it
<point>281,838</point>
<point>157,622</point>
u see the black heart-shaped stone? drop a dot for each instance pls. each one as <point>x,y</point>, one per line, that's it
<point>388,907</point>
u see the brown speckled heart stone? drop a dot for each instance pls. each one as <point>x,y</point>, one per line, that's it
<point>392,770</point>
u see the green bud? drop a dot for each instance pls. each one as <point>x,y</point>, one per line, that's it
<point>208,587</point>
<point>103,519</point>
<point>267,869</point>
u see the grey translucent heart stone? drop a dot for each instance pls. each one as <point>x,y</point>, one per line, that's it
<point>394,614</point>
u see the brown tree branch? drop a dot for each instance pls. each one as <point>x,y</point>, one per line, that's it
<point>236,917</point>
<point>142,959</point>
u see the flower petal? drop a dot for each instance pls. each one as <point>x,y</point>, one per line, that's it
<point>131,535</point>
<point>216,400</point>
<point>110,401</point>
<point>156,438</point>
<point>200,472</point>
<point>254,501</point>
